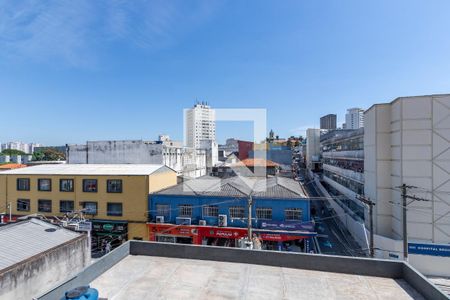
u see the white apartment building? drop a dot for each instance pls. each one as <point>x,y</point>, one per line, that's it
<point>25,147</point>
<point>354,118</point>
<point>200,124</point>
<point>312,148</point>
<point>407,141</point>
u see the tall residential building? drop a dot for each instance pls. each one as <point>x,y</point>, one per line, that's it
<point>354,118</point>
<point>407,141</point>
<point>328,122</point>
<point>200,124</point>
<point>25,147</point>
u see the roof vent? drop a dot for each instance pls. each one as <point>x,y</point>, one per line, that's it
<point>50,229</point>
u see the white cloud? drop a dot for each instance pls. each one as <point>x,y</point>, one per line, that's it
<point>74,32</point>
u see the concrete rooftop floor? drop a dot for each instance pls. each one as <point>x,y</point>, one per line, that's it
<point>149,277</point>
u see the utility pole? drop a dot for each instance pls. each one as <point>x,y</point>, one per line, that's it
<point>371,204</point>
<point>249,221</point>
<point>405,197</point>
<point>10,214</point>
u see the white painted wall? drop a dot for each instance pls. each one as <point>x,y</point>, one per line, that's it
<point>312,145</point>
<point>408,141</point>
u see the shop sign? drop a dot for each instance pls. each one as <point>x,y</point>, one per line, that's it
<point>275,237</point>
<point>297,226</point>
<point>429,249</point>
<point>108,227</point>
<point>227,233</point>
<point>84,226</point>
<point>171,230</point>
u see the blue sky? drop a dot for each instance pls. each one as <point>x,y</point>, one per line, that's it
<point>72,71</point>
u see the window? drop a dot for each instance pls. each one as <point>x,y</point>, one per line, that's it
<point>264,213</point>
<point>114,209</point>
<point>90,185</point>
<point>44,185</point>
<point>237,212</point>
<point>66,206</point>
<point>23,205</point>
<point>90,208</point>
<point>44,205</point>
<point>163,210</point>
<point>293,214</point>
<point>23,184</point>
<point>114,186</point>
<point>210,211</point>
<point>66,185</point>
<point>185,211</point>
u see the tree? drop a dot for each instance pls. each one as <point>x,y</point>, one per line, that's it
<point>12,152</point>
<point>48,154</point>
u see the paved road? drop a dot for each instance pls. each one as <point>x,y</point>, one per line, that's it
<point>333,239</point>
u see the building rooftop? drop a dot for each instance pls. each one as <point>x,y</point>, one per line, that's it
<point>25,239</point>
<point>148,277</point>
<point>90,169</point>
<point>11,166</point>
<point>148,270</point>
<point>255,162</point>
<point>239,186</point>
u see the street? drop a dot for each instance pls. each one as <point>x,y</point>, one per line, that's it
<point>331,237</point>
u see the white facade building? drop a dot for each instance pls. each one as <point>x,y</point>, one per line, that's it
<point>200,124</point>
<point>354,118</point>
<point>407,141</point>
<point>312,147</point>
<point>25,147</point>
<point>187,162</point>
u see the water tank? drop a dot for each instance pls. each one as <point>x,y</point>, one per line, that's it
<point>81,293</point>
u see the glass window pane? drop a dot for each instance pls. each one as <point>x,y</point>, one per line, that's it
<point>114,209</point>
<point>114,186</point>
<point>44,185</point>
<point>90,185</point>
<point>23,205</point>
<point>66,206</point>
<point>44,205</point>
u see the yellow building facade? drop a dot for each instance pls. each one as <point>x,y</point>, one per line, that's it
<point>114,197</point>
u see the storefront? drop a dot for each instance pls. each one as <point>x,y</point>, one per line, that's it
<point>170,233</point>
<point>281,240</point>
<point>221,236</point>
<point>107,231</point>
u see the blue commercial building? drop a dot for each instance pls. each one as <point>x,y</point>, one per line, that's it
<point>280,206</point>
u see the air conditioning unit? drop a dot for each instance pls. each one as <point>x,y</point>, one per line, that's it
<point>183,221</point>
<point>223,221</point>
<point>159,219</point>
<point>202,222</point>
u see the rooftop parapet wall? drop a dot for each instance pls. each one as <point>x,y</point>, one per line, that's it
<point>326,263</point>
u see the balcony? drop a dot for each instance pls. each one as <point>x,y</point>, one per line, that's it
<point>351,154</point>
<point>359,177</point>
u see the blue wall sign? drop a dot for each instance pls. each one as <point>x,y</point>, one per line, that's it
<point>277,225</point>
<point>429,249</point>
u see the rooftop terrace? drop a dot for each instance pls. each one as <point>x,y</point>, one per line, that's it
<point>147,270</point>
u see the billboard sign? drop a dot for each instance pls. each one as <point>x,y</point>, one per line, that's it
<point>294,226</point>
<point>429,249</point>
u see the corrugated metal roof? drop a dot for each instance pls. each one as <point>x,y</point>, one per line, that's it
<point>239,186</point>
<point>25,239</point>
<point>89,169</point>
